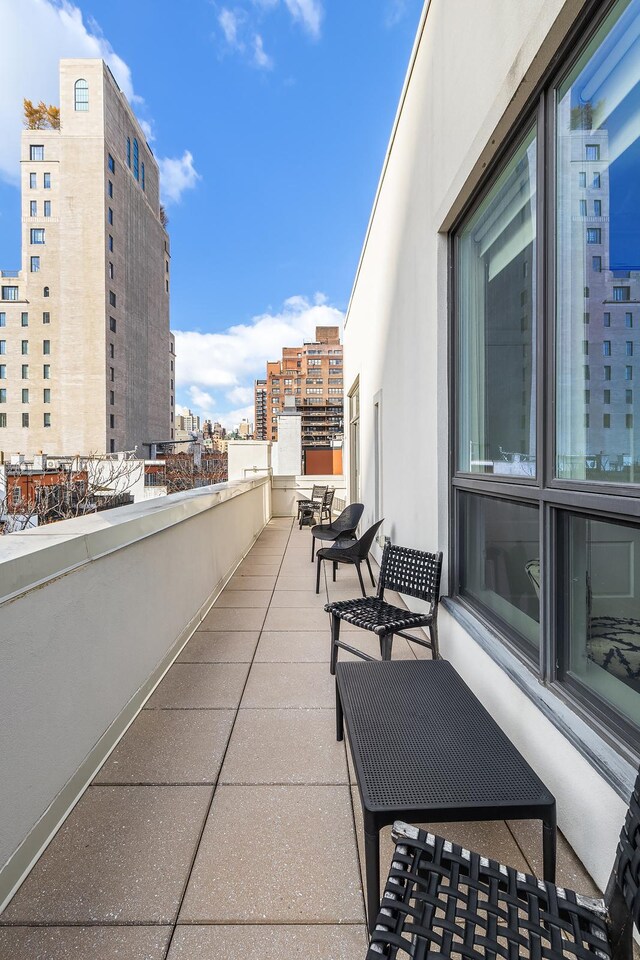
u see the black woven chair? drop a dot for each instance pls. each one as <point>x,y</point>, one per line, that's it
<point>342,528</point>
<point>443,901</point>
<point>407,571</point>
<point>308,505</point>
<point>347,551</point>
<point>326,509</point>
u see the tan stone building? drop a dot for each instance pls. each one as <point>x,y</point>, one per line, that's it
<point>312,374</point>
<point>86,357</point>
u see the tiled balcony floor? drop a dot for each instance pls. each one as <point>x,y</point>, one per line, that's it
<point>226,823</point>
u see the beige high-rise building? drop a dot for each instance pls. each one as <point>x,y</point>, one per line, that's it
<point>86,359</point>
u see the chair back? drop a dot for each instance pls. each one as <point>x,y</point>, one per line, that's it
<point>412,572</point>
<point>360,549</point>
<point>318,492</point>
<point>327,501</point>
<point>349,519</point>
<point>623,892</point>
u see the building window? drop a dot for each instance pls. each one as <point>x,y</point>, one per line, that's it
<point>597,208</point>
<point>9,293</point>
<point>25,395</point>
<point>37,235</point>
<point>46,371</point>
<point>3,319</point>
<point>47,181</point>
<point>45,292</point>
<point>112,351</point>
<point>112,397</point>
<point>46,347</point>
<point>111,374</point>
<point>33,181</point>
<point>129,152</point>
<point>112,446</point>
<point>33,208</point>
<point>111,163</point>
<point>3,419</point>
<point>25,419</point>
<point>110,244</point>
<point>628,319</point>
<point>583,208</point>
<point>628,396</point>
<point>3,395</point>
<point>142,179</point>
<point>24,319</point>
<point>3,371</point>
<point>46,395</point>
<point>36,152</point>
<point>112,324</point>
<point>81,94</point>
<point>112,420</point>
<point>596,181</point>
<point>112,298</point>
<point>521,558</point>
<point>24,347</point>
<point>34,264</point>
<point>110,271</point>
<point>136,171</point>
<point>3,347</point>
<point>47,419</point>
<point>46,317</point>
<point>110,189</point>
<point>110,216</point>
<point>582,178</point>
<point>621,293</point>
<point>47,208</point>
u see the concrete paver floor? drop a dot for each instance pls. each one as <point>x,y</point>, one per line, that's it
<point>226,823</point>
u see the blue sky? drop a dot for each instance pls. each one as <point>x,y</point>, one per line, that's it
<point>270,120</point>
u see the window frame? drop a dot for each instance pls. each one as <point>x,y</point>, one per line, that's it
<point>553,495</point>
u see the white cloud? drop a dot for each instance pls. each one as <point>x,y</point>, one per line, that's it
<point>396,10</point>
<point>230,23</point>
<point>177,174</point>
<point>200,399</point>
<point>309,13</point>
<point>230,359</point>
<point>260,57</point>
<point>147,129</point>
<point>240,395</point>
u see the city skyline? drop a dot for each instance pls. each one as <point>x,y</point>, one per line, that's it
<point>269,149</point>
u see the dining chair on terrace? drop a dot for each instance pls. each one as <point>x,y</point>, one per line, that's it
<point>349,551</point>
<point>342,528</point>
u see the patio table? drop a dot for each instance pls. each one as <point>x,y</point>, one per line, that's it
<point>426,750</point>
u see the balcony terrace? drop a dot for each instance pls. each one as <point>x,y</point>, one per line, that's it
<point>225,822</point>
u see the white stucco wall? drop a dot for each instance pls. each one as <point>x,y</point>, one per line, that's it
<point>475,65</point>
<point>92,611</point>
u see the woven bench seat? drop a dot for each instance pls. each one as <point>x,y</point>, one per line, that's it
<point>377,615</point>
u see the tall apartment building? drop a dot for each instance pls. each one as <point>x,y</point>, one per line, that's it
<point>87,359</point>
<point>312,374</point>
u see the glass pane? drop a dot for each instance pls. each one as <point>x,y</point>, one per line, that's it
<point>500,563</point>
<point>598,253</point>
<point>496,268</point>
<point>603,629</point>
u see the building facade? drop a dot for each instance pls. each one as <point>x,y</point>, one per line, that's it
<point>490,346</point>
<point>84,324</point>
<point>312,375</point>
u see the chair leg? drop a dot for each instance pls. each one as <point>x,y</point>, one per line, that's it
<point>373,583</point>
<point>318,575</point>
<point>364,592</point>
<point>386,642</point>
<point>433,633</point>
<point>335,570</point>
<point>335,636</point>
<point>313,548</point>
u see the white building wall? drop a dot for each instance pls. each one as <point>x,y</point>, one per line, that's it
<point>474,67</point>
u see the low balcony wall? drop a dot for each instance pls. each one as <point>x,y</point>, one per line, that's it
<point>92,613</point>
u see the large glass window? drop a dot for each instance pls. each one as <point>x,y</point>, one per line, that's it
<point>547,523</point>
<point>81,91</point>
<point>601,565</point>
<point>500,564</point>
<point>597,117</point>
<point>497,324</point>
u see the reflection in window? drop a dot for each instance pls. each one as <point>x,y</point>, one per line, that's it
<point>500,563</point>
<point>497,324</point>
<point>602,564</point>
<point>598,112</point>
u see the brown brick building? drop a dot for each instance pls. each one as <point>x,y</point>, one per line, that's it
<point>312,374</point>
